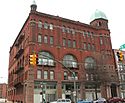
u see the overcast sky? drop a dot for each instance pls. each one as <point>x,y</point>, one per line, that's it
<point>15,12</point>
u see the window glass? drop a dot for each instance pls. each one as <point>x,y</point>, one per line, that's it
<point>84,34</point>
<point>101,41</point>
<point>93,47</point>
<point>89,35</point>
<point>89,46</point>
<point>51,75</point>
<point>51,26</point>
<point>39,38</point>
<point>68,30</point>
<point>46,25</point>
<point>84,46</point>
<point>65,76</point>
<point>74,44</point>
<point>90,63</point>
<point>70,61</point>
<point>73,31</point>
<point>45,39</point>
<point>64,42</point>
<point>45,75</point>
<point>39,24</point>
<point>69,43</point>
<point>45,58</point>
<point>51,40</point>
<point>87,77</point>
<point>63,29</point>
<point>39,74</point>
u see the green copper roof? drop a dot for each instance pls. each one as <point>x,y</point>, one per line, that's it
<point>97,15</point>
<point>34,3</point>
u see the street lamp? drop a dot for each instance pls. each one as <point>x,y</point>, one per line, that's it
<point>74,77</point>
<point>43,93</point>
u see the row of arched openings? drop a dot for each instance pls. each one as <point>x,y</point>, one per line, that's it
<point>69,60</point>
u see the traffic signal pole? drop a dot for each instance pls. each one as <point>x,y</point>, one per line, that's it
<point>74,76</point>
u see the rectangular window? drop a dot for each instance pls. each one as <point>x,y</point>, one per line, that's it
<point>101,42</point>
<point>84,46</point>
<point>84,34</point>
<point>73,31</point>
<point>39,24</point>
<point>89,35</point>
<point>74,44</point>
<point>51,40</point>
<point>69,43</point>
<point>65,76</point>
<point>45,75</point>
<point>51,75</point>
<point>51,26</point>
<point>93,47</point>
<point>39,74</point>
<point>39,38</point>
<point>68,30</point>
<point>45,39</point>
<point>87,77</point>
<point>64,42</point>
<point>63,29</point>
<point>89,46</point>
<point>46,25</point>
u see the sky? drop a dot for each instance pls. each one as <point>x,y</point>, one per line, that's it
<point>15,12</point>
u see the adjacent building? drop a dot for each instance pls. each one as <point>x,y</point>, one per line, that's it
<point>65,48</point>
<point>120,67</point>
<point>3,90</point>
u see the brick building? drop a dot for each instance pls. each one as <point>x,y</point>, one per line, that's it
<point>3,90</point>
<point>64,47</point>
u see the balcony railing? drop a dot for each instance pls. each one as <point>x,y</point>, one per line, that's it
<point>18,81</point>
<point>46,62</point>
<point>70,64</point>
<point>20,38</point>
<point>19,53</point>
<point>19,69</point>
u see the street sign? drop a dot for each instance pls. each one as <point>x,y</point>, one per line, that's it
<point>122,47</point>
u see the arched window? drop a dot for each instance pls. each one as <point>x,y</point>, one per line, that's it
<point>45,58</point>
<point>70,61</point>
<point>90,63</point>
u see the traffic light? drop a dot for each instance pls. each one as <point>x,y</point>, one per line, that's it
<point>120,55</point>
<point>33,59</point>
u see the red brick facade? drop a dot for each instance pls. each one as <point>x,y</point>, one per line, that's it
<point>85,49</point>
<point>3,90</point>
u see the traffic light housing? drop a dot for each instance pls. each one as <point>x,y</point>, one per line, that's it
<point>120,56</point>
<point>33,59</point>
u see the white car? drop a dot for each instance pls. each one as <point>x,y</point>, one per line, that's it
<point>100,100</point>
<point>63,101</point>
<point>54,102</point>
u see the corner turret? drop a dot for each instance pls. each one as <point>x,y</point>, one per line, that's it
<point>33,6</point>
<point>99,20</point>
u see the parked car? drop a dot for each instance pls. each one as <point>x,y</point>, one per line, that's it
<point>53,102</point>
<point>84,101</point>
<point>100,100</point>
<point>115,100</point>
<point>63,101</point>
